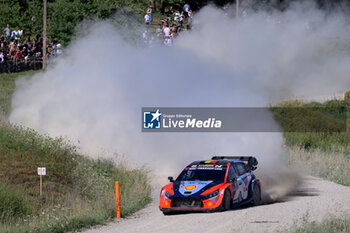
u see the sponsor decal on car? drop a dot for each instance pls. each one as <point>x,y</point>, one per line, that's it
<point>190,187</point>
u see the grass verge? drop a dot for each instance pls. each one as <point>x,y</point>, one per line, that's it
<point>78,192</point>
<point>334,115</point>
<point>332,166</point>
<point>327,226</point>
<point>321,154</point>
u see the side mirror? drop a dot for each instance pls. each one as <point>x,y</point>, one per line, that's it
<point>171,179</point>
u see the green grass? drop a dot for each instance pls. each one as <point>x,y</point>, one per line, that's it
<point>333,114</point>
<point>327,226</point>
<point>322,154</point>
<point>13,203</point>
<point>78,191</point>
<point>333,166</point>
<point>7,87</point>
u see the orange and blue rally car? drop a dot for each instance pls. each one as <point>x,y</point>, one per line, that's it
<point>221,183</point>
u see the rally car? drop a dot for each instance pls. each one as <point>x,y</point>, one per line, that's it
<point>221,183</point>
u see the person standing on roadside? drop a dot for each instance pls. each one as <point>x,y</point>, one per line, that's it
<point>187,8</point>
<point>7,32</point>
<point>149,11</point>
<point>189,20</point>
<point>166,31</point>
<point>147,18</point>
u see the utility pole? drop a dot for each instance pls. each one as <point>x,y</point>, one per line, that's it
<point>44,35</point>
<point>237,8</point>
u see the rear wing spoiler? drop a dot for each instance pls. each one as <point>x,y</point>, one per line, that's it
<point>251,161</point>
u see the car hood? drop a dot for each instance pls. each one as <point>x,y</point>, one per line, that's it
<point>189,188</point>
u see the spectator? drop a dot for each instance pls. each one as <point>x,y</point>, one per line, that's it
<point>171,11</point>
<point>59,49</point>
<point>168,41</point>
<point>182,17</point>
<point>145,36</point>
<point>166,31</point>
<point>149,11</point>
<point>147,18</point>
<point>177,16</point>
<point>2,57</point>
<point>12,48</point>
<point>15,34</point>
<point>189,19</point>
<point>7,31</point>
<point>19,55</point>
<point>173,29</point>
<point>3,46</point>
<point>186,8</point>
<point>180,28</point>
<point>159,31</point>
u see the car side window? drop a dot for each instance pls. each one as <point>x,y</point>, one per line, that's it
<point>240,169</point>
<point>246,168</point>
<point>231,174</point>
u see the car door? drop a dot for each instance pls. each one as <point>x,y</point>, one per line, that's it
<point>234,187</point>
<point>242,181</point>
<point>245,176</point>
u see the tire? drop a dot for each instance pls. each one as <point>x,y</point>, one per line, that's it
<point>256,196</point>
<point>226,201</point>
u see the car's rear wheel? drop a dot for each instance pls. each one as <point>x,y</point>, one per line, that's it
<point>256,198</point>
<point>226,201</point>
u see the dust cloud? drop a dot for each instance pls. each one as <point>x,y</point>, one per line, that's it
<point>93,94</point>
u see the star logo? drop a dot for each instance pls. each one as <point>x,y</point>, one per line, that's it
<point>156,115</point>
<point>152,119</point>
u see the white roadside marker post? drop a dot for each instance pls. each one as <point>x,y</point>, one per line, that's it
<point>41,173</point>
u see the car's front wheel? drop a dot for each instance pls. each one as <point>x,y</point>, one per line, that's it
<point>226,201</point>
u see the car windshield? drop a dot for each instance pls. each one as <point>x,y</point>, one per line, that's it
<point>215,175</point>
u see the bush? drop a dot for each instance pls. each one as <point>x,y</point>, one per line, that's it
<point>13,204</point>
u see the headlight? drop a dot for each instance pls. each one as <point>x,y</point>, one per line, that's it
<point>213,194</point>
<point>167,194</point>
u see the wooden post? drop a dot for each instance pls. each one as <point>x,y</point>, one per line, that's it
<point>44,35</point>
<point>117,198</point>
<point>41,185</point>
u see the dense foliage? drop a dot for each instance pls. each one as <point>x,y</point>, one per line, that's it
<point>63,15</point>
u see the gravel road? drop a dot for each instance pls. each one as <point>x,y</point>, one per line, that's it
<point>315,199</point>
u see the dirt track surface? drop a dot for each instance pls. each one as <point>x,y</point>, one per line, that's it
<point>315,199</point>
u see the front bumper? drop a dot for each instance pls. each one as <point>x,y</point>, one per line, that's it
<point>189,204</point>
<point>192,209</point>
